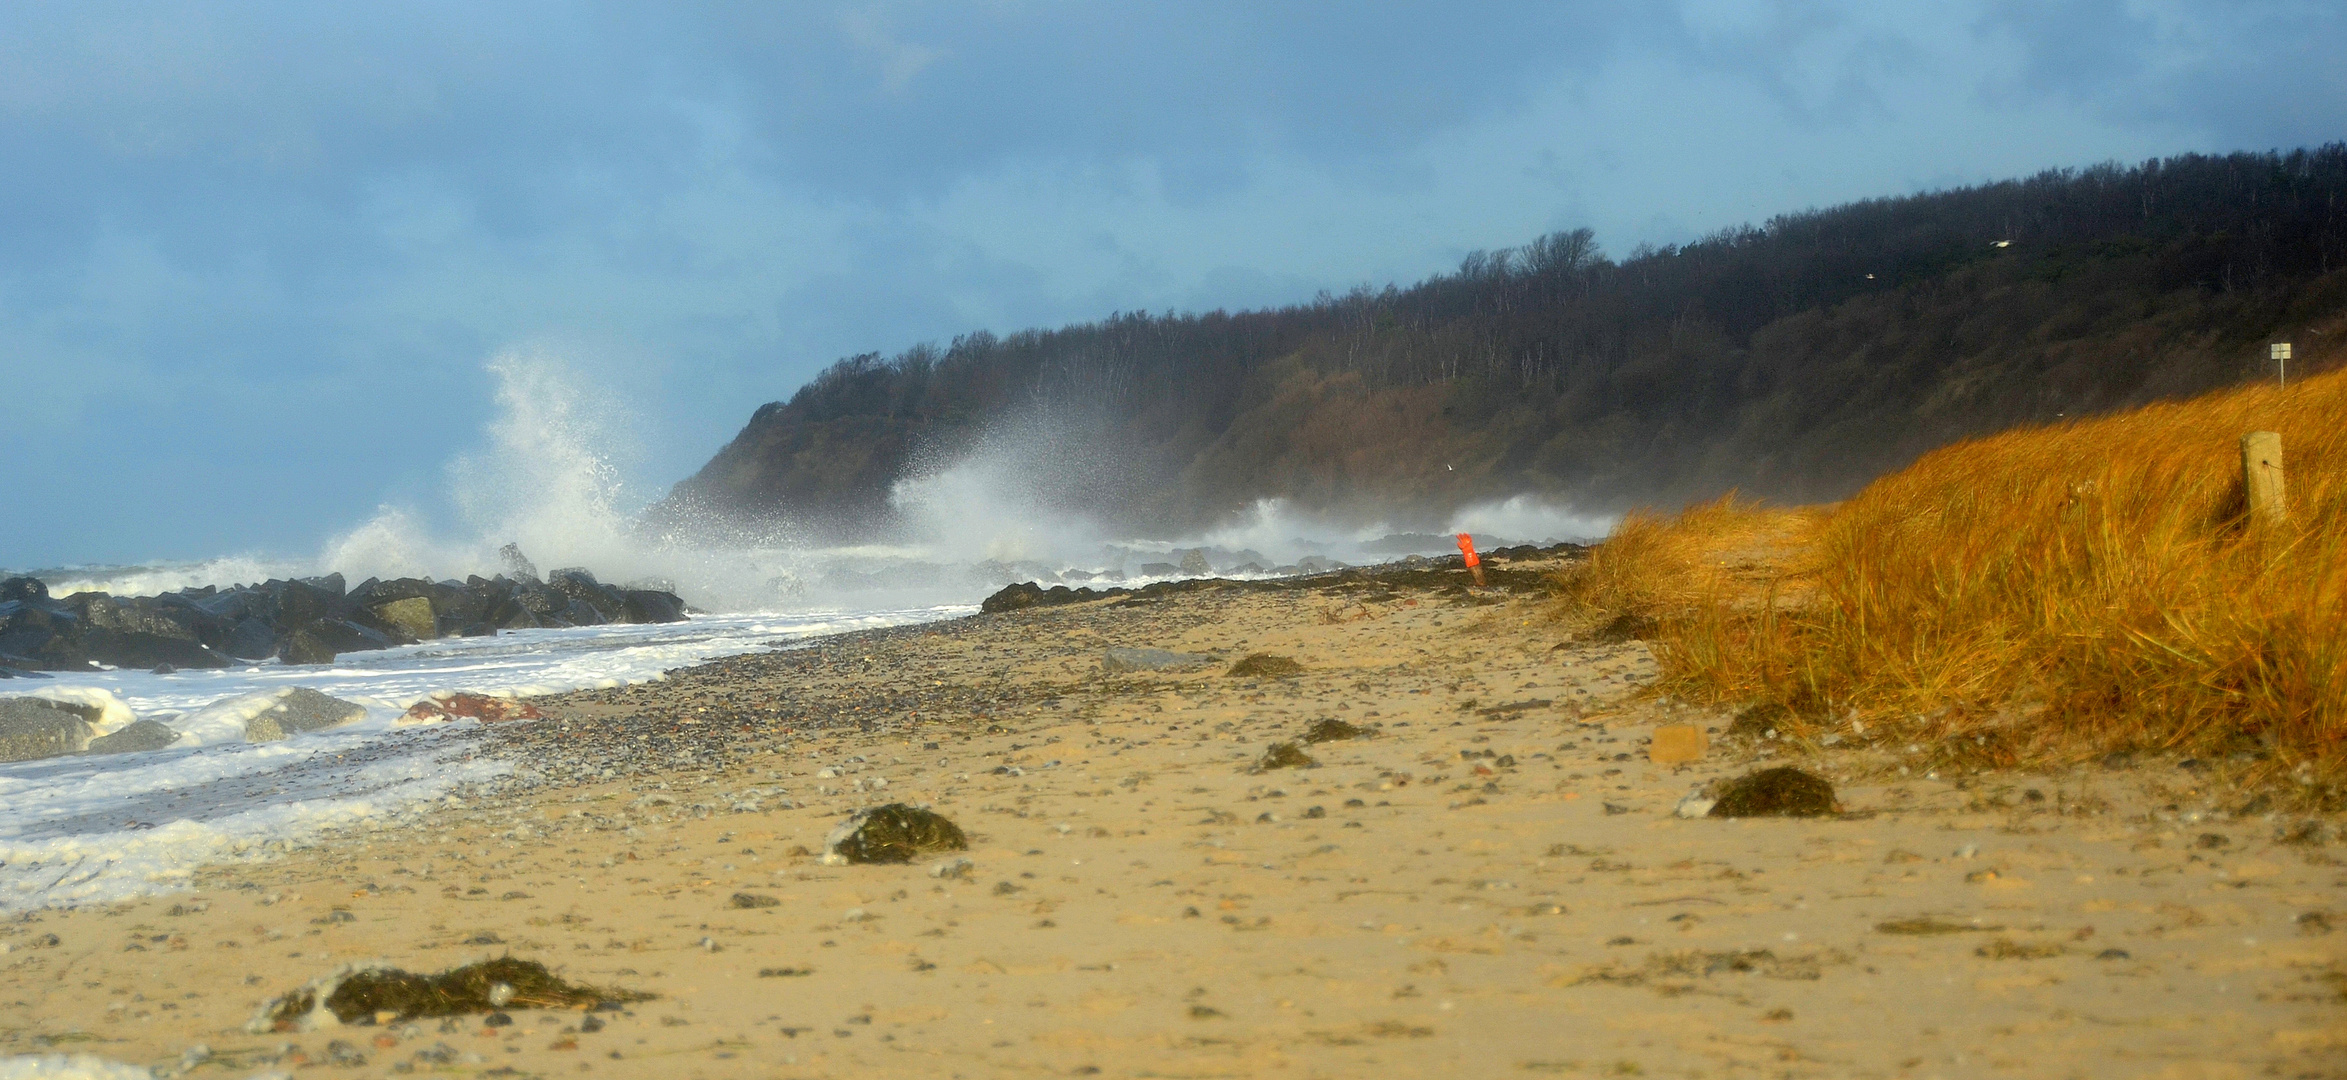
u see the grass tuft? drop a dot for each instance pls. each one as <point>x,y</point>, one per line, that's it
<point>2039,597</point>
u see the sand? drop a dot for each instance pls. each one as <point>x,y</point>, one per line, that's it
<point>1493,884</point>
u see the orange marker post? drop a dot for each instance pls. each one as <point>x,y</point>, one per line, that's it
<point>1474,564</point>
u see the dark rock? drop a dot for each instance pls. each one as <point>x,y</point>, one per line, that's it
<point>305,647</point>
<point>252,639</point>
<point>300,603</point>
<point>1159,569</point>
<point>1029,594</point>
<point>517,564</point>
<point>586,595</point>
<point>142,735</point>
<point>651,606</point>
<point>135,649</point>
<point>1194,563</point>
<point>755,900</point>
<point>34,728</point>
<point>23,589</point>
<point>319,642</point>
<point>1265,666</point>
<point>1781,792</point>
<point>300,709</point>
<point>895,833</point>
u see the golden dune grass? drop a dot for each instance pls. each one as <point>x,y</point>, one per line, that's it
<point>2037,596</point>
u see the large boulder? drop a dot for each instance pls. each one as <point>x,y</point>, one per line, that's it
<point>252,639</point>
<point>266,717</point>
<point>321,641</point>
<point>651,606</point>
<point>583,590</point>
<point>303,602</point>
<point>32,728</point>
<point>40,634</point>
<point>134,649</point>
<point>23,588</point>
<point>298,710</point>
<point>139,736</point>
<point>412,616</point>
<point>101,708</point>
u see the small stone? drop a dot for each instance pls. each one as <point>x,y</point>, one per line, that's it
<point>754,900</point>
<point>1695,804</point>
<point>952,868</point>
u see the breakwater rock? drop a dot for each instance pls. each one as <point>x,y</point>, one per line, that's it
<point>302,621</point>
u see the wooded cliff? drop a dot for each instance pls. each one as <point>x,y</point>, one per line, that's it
<point>1793,360</point>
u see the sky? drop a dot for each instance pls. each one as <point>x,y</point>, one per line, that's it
<point>261,265</point>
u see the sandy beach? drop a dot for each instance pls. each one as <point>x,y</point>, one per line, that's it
<point>1492,883</point>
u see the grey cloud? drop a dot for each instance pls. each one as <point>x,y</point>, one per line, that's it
<point>252,257</point>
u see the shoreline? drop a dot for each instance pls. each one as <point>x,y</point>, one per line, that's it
<point>1484,881</point>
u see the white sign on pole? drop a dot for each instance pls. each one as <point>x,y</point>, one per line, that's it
<point>2279,352</point>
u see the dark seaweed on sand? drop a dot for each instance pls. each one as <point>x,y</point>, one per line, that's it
<point>897,833</point>
<point>473,988</point>
<point>1286,755</point>
<point>1264,666</point>
<point>1782,792</point>
<point>1331,729</point>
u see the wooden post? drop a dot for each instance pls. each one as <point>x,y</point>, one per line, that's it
<point>2261,477</point>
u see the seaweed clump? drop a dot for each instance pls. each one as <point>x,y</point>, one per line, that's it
<point>895,833</point>
<point>1264,666</point>
<point>1286,755</point>
<point>371,993</point>
<point>1331,729</point>
<point>1782,792</point>
<point>1758,721</point>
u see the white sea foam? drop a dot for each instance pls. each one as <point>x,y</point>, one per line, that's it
<point>93,828</point>
<point>69,1067</point>
<point>1526,519</point>
<point>114,714</point>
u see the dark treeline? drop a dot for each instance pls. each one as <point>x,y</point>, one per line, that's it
<point>1793,360</point>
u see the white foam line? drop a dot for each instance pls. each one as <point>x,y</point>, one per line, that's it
<point>72,870</point>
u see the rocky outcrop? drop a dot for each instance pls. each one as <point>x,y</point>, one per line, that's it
<point>298,710</point>
<point>142,735</point>
<point>31,728</point>
<point>305,621</point>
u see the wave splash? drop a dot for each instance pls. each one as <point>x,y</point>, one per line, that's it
<point>1012,508</point>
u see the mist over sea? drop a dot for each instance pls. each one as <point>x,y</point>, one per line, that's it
<point>91,828</point>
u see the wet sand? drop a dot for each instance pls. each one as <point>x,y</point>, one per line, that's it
<point>1493,884</point>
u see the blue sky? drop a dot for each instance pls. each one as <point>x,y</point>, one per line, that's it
<point>255,259</point>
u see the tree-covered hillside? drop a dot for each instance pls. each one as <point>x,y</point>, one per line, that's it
<point>1794,360</point>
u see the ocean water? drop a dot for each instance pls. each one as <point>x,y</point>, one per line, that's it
<point>93,829</point>
<point>96,828</point>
